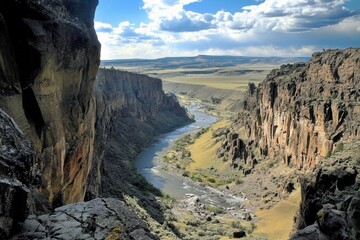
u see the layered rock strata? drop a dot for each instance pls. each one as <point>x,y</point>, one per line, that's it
<point>48,63</point>
<point>300,113</point>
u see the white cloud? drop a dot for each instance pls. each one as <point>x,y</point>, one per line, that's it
<point>271,28</point>
<point>103,27</point>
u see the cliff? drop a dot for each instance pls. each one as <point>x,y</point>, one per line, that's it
<point>131,109</point>
<point>330,207</point>
<point>18,172</point>
<point>306,116</point>
<point>300,113</point>
<point>48,63</point>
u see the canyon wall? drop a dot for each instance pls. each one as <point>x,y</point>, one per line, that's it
<point>306,115</point>
<point>131,109</point>
<point>48,63</point>
<point>300,113</point>
<point>18,172</point>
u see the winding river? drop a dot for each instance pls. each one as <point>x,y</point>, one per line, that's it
<point>177,186</point>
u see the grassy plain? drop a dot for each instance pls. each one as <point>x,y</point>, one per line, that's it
<point>227,77</point>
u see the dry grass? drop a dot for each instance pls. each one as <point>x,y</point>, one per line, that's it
<point>204,149</point>
<point>277,222</point>
<point>221,78</point>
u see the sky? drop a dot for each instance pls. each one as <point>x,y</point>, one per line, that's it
<point>169,28</point>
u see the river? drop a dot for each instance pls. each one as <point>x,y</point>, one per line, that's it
<point>177,186</point>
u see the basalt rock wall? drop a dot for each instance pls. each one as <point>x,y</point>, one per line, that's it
<point>48,63</point>
<point>131,109</point>
<point>300,113</point>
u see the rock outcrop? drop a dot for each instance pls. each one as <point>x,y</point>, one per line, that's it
<point>18,172</point>
<point>98,219</point>
<point>300,113</point>
<point>131,110</point>
<point>48,63</point>
<point>330,207</point>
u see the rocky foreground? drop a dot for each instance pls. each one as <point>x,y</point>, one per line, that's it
<point>50,116</point>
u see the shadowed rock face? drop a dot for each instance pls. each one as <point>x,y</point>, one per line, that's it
<point>330,207</point>
<point>18,171</point>
<point>131,109</point>
<point>48,63</point>
<point>301,112</point>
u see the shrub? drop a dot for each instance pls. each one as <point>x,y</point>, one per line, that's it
<point>186,174</point>
<point>211,180</point>
<point>339,147</point>
<point>239,181</point>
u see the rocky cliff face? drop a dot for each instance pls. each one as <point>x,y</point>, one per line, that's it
<point>131,110</point>
<point>48,63</point>
<point>300,113</point>
<point>307,116</point>
<point>18,172</point>
<point>330,207</point>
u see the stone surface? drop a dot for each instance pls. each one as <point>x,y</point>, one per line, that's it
<point>334,209</point>
<point>96,219</point>
<point>18,171</point>
<point>48,63</point>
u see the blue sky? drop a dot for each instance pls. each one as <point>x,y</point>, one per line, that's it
<point>161,28</point>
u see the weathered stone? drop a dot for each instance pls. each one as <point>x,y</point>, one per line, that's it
<point>294,114</point>
<point>310,233</point>
<point>353,216</point>
<point>240,234</point>
<point>95,219</point>
<point>49,59</point>
<point>18,171</point>
<point>333,223</point>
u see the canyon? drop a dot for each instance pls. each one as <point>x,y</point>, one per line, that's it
<point>56,123</point>
<point>304,116</point>
<point>71,131</point>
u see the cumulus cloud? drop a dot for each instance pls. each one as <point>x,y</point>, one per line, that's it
<point>270,15</point>
<point>103,27</point>
<point>291,15</point>
<point>270,28</point>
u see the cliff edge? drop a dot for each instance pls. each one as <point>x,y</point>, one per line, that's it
<point>300,113</point>
<point>48,63</point>
<point>131,110</point>
<point>305,116</point>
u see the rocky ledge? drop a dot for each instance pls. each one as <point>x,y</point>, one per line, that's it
<point>98,219</point>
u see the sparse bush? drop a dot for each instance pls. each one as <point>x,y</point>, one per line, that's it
<point>211,180</point>
<point>239,181</point>
<point>192,222</point>
<point>339,147</point>
<point>186,174</point>
<point>215,209</point>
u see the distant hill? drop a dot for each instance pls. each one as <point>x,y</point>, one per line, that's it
<point>201,61</point>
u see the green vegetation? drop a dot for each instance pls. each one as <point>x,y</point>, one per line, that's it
<point>339,147</point>
<point>215,209</point>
